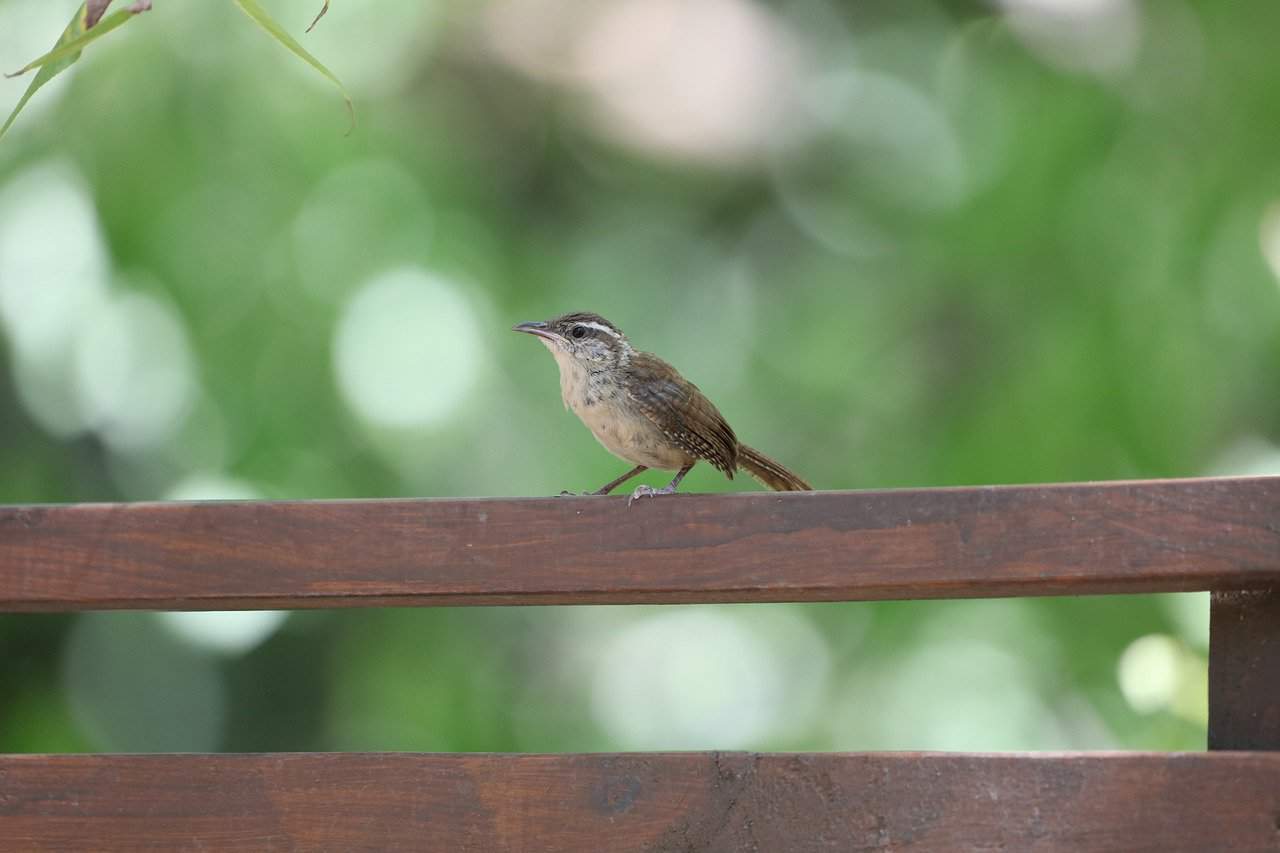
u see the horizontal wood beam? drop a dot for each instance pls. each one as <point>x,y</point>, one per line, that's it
<point>629,802</point>
<point>1075,539</point>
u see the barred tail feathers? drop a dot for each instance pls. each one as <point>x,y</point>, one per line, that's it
<point>768,472</point>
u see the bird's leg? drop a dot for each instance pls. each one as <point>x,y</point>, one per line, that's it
<point>650,491</point>
<point>609,487</point>
<point>613,484</point>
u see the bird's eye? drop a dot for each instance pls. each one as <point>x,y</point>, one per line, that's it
<point>579,332</point>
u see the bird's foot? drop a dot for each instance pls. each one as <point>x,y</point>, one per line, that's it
<point>568,494</point>
<point>650,492</point>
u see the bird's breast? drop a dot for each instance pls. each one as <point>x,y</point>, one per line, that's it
<point>602,404</point>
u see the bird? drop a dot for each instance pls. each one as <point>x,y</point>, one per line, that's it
<point>642,410</point>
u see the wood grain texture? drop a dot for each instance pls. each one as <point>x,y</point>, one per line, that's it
<point>711,802</point>
<point>1158,536</point>
<point>1244,670</point>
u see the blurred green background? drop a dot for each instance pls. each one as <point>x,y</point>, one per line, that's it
<point>898,243</point>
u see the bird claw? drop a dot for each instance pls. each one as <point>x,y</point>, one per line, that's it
<point>567,493</point>
<point>640,492</point>
<point>648,492</point>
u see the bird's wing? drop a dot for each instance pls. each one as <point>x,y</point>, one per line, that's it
<point>668,399</point>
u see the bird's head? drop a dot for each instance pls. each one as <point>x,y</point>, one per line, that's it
<point>586,341</point>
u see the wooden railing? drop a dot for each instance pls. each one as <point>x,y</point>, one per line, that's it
<point>1221,535</point>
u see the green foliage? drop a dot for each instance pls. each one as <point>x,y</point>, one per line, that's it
<point>75,38</point>
<point>260,17</point>
<point>88,25</point>
<point>956,257</point>
<point>66,51</point>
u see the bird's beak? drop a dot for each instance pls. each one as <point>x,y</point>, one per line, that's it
<point>536,327</point>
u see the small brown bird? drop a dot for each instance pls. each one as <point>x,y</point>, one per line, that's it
<point>642,410</point>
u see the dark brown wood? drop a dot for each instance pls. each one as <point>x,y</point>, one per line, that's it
<point>642,802</point>
<point>1166,536</point>
<point>1244,670</point>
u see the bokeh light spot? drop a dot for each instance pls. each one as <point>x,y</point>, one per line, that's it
<point>1249,456</point>
<point>1099,36</point>
<point>407,349</point>
<point>952,694</point>
<point>1269,238</point>
<point>53,264</point>
<point>231,632</point>
<point>53,279</point>
<point>1148,672</point>
<point>695,78</point>
<point>212,487</point>
<point>697,679</point>
<point>135,372</point>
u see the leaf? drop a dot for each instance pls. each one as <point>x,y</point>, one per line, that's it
<point>323,9</point>
<point>46,74</point>
<point>69,48</point>
<point>65,52</point>
<point>262,19</point>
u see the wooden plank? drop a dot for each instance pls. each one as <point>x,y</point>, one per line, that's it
<point>1158,536</point>
<point>655,802</point>
<point>1244,670</point>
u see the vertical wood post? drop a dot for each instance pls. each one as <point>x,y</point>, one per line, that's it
<point>1244,670</point>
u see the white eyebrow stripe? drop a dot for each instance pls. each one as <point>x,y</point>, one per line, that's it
<point>601,328</point>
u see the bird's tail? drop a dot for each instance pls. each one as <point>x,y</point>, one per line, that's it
<point>768,472</point>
